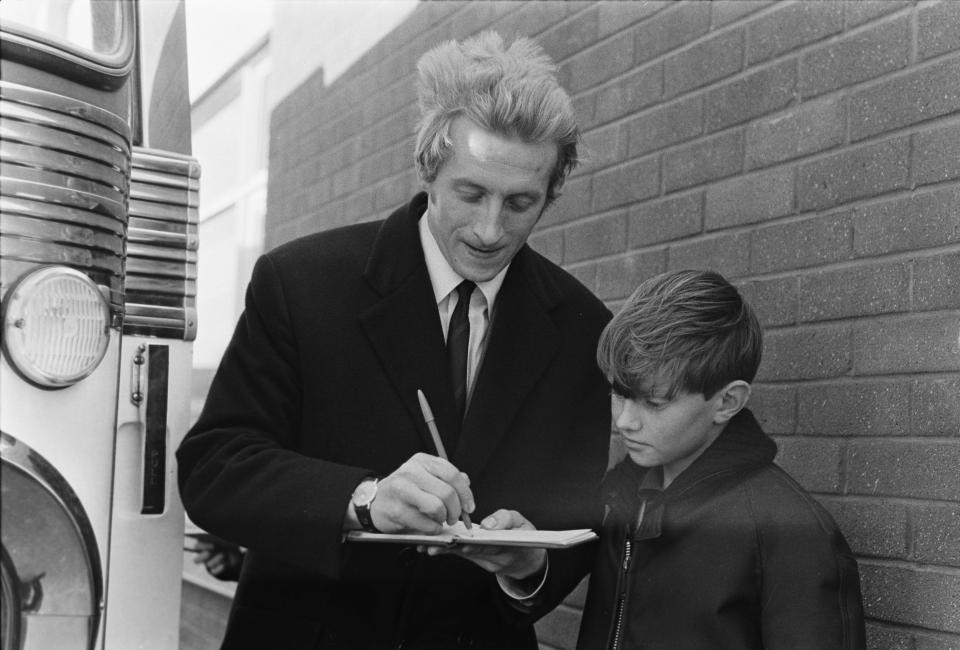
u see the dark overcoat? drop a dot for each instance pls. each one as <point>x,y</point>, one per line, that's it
<point>318,389</point>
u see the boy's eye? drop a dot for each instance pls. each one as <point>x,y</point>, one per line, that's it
<point>655,403</point>
<point>469,198</point>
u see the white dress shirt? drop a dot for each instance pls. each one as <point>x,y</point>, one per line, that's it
<point>445,280</point>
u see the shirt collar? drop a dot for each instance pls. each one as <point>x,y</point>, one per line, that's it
<point>442,276</point>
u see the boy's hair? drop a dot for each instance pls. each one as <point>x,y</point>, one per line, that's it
<point>512,91</point>
<point>688,330</point>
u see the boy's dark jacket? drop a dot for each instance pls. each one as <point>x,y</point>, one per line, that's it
<point>733,554</point>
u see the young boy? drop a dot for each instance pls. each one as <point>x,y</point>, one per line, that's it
<point>706,543</point>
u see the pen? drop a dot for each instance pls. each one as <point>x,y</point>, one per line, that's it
<point>441,452</point>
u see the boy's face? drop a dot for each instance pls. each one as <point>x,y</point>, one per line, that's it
<point>672,433</point>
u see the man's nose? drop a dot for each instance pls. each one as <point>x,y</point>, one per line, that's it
<point>488,226</point>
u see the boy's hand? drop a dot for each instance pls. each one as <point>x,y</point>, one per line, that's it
<point>516,562</point>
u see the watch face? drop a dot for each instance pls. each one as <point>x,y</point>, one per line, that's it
<point>364,493</point>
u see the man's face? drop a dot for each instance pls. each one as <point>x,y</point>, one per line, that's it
<point>671,433</point>
<point>487,198</point>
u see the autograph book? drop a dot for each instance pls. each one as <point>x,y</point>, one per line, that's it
<point>458,534</point>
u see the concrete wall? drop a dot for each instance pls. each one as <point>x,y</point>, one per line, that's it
<point>808,151</point>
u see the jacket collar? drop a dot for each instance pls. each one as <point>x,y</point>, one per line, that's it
<point>740,448</point>
<point>404,329</point>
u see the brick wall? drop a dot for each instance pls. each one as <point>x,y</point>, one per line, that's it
<point>810,152</point>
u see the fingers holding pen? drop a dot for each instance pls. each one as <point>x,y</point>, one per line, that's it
<point>420,495</point>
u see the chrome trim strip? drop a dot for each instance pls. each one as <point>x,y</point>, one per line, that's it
<point>10,205</point>
<point>49,101</point>
<point>162,245</point>
<point>61,233</point>
<point>26,249</point>
<point>63,163</point>
<point>42,136</point>
<point>50,119</point>
<point>60,188</point>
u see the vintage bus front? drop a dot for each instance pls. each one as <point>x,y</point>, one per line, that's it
<point>98,245</point>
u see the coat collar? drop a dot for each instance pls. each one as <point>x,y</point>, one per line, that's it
<point>404,329</point>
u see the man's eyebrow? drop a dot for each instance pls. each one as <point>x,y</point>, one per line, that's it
<point>467,184</point>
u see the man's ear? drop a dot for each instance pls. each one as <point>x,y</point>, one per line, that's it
<point>733,397</point>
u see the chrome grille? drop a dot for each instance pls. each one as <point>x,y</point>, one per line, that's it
<point>161,271</point>
<point>64,166</point>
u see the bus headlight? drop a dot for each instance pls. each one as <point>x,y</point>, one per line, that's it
<point>56,326</point>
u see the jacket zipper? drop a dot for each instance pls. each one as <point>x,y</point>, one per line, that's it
<point>624,571</point>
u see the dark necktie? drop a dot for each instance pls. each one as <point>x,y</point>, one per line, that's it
<point>458,340</point>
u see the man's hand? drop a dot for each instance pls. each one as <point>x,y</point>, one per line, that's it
<point>420,496</point>
<point>221,559</point>
<point>511,561</point>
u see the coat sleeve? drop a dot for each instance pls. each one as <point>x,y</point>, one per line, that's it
<point>584,470</point>
<point>238,473</point>
<point>810,585</point>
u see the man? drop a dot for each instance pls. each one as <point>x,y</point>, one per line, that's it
<point>316,396</point>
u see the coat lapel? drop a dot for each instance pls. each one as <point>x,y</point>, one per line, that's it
<point>523,341</point>
<point>404,327</point>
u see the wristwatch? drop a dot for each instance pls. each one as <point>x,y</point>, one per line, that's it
<point>362,499</point>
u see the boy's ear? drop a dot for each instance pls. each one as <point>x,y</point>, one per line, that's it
<point>733,397</point>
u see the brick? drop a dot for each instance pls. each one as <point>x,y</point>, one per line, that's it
<point>629,94</point>
<point>619,277</point>
<point>916,222</point>
<point>729,11</point>
<point>584,107</point>
<point>726,254</point>
<point>811,242</point>
<point>938,29</point>
<point>708,61</point>
<point>864,11</point>
<point>573,204</point>
<point>937,534</point>
<point>858,291</point>
<point>594,238</point>
<point>876,528</point>
<point>814,463</point>
<point>858,408</point>
<point>790,26</point>
<point>760,92</point>
<point>922,94</point>
<point>537,19</point>
<point>923,598</point>
<point>902,468</point>
<point>749,199</point>
<point>616,15</point>
<point>566,38</point>
<point>936,155</point>
<point>801,130</point>
<point>659,221</point>
<point>602,148</point>
<point>702,161</point>
<point>666,125</point>
<point>558,629</point>
<point>936,282</point>
<point>888,638</point>
<point>774,301</point>
<point>549,244</point>
<point>865,171</point>
<point>586,274</point>
<point>805,353</point>
<point>933,641</point>
<point>671,29</point>
<point>594,66</point>
<point>856,58</point>
<point>935,407</point>
<point>774,407</point>
<point>635,181</point>
<point>926,343</point>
